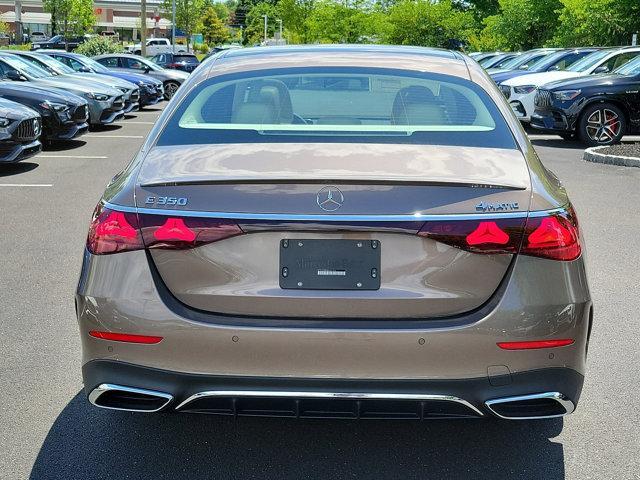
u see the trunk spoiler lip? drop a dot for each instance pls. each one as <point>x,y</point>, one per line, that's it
<point>328,181</point>
<point>417,217</point>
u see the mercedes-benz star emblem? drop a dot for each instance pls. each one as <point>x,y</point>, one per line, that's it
<point>36,126</point>
<point>330,198</point>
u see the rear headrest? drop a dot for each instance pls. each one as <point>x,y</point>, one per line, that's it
<point>417,105</point>
<point>273,92</point>
<point>262,111</point>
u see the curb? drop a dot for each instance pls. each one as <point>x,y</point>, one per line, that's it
<point>593,155</point>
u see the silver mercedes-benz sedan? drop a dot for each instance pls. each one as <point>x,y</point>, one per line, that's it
<point>357,232</point>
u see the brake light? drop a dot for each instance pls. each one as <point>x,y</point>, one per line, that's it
<point>555,236</point>
<point>112,231</point>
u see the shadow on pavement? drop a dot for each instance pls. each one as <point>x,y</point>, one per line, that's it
<point>559,143</point>
<point>62,146</point>
<point>90,443</point>
<point>104,128</point>
<point>6,170</point>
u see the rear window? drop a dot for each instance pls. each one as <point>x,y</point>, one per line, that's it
<point>338,105</point>
<point>185,58</point>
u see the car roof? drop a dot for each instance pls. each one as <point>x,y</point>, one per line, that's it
<point>127,55</point>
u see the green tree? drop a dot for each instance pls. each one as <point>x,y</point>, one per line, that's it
<point>333,21</point>
<point>188,15</point>
<point>70,17</point>
<point>98,45</point>
<point>294,15</point>
<point>422,22</point>
<point>521,24</point>
<point>254,21</point>
<point>214,30</point>
<point>597,22</point>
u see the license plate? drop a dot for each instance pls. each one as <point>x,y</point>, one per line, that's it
<point>312,264</point>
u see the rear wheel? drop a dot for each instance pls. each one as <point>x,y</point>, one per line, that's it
<point>170,89</point>
<point>601,124</point>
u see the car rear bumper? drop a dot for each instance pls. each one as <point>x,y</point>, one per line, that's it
<point>539,299</point>
<point>330,397</point>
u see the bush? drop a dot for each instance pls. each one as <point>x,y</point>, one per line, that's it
<point>201,48</point>
<point>97,46</point>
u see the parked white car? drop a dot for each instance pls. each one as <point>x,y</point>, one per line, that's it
<point>155,46</point>
<point>521,91</point>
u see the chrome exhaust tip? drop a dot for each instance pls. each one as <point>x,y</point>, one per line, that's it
<point>118,397</point>
<point>531,407</point>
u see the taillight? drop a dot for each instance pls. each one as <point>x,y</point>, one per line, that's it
<point>554,236</point>
<point>112,231</point>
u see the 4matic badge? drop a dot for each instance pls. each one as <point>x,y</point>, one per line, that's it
<point>497,207</point>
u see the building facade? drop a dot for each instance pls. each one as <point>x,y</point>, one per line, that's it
<point>120,16</point>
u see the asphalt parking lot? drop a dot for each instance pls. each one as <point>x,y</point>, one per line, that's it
<point>49,431</point>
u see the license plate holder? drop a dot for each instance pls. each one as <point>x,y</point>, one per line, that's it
<point>329,264</point>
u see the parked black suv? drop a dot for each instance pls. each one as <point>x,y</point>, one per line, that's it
<point>598,109</point>
<point>20,129</point>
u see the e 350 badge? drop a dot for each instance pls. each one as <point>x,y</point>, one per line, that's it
<point>161,201</point>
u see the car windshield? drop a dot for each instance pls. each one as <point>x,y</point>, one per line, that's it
<point>315,104</point>
<point>54,65</point>
<point>148,63</point>
<point>27,69</point>
<point>185,58</point>
<point>589,61</point>
<point>629,68</point>
<point>56,38</point>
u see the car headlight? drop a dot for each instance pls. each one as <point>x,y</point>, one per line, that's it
<point>524,89</point>
<point>101,97</point>
<point>56,107</point>
<point>4,122</point>
<point>564,95</point>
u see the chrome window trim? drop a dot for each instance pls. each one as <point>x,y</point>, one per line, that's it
<point>329,395</point>
<point>97,392</point>
<point>418,217</point>
<point>557,396</point>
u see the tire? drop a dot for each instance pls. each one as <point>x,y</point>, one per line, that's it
<point>170,89</point>
<point>601,124</point>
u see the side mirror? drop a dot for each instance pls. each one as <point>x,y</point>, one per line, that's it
<point>15,76</point>
<point>84,69</point>
<point>147,69</point>
<point>601,69</point>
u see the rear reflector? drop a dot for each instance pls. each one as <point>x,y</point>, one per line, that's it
<point>125,337</point>
<point>534,344</point>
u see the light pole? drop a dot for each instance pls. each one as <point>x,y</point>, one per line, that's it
<point>143,28</point>
<point>265,28</point>
<point>279,20</point>
<point>173,26</point>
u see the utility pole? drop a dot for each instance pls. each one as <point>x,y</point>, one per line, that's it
<point>265,28</point>
<point>143,28</point>
<point>279,20</point>
<point>173,25</point>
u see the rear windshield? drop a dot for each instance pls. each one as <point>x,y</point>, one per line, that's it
<point>185,58</point>
<point>359,105</point>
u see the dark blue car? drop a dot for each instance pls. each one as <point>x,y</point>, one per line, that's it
<point>151,90</point>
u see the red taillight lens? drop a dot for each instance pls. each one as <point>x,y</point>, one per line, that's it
<point>535,344</point>
<point>555,237</point>
<point>112,232</point>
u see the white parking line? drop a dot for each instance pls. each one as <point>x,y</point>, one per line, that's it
<point>26,185</point>
<point>90,157</point>
<point>93,135</point>
<point>136,123</point>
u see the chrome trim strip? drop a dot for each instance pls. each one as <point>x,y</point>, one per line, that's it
<point>557,396</point>
<point>331,218</point>
<point>330,395</point>
<point>108,387</point>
